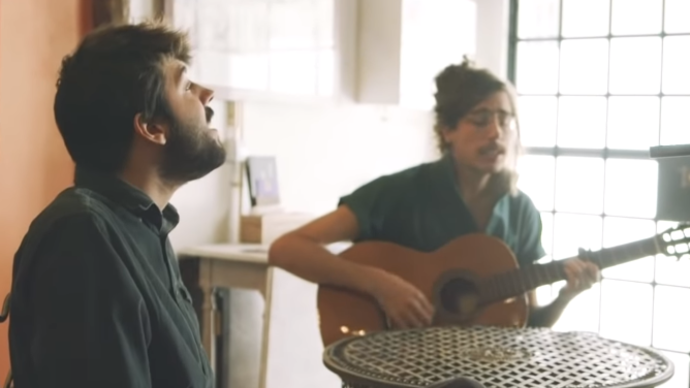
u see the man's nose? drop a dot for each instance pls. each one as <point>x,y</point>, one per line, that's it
<point>206,95</point>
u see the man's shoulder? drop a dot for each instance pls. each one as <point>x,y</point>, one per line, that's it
<point>73,217</point>
<point>522,209</point>
<point>75,209</point>
<point>520,200</point>
<point>390,191</point>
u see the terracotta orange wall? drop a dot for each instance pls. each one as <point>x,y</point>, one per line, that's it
<point>34,166</point>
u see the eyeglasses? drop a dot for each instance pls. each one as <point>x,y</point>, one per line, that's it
<point>483,118</point>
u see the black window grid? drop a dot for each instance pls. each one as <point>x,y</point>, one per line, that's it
<point>602,153</point>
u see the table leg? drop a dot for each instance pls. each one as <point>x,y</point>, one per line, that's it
<point>205,298</point>
<point>208,323</point>
<point>267,291</point>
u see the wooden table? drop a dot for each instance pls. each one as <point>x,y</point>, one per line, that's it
<point>206,268</point>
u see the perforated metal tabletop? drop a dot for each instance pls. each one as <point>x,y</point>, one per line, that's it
<point>496,358</point>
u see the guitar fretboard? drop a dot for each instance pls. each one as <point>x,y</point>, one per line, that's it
<point>517,282</point>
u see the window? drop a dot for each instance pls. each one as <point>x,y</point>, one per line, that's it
<point>599,82</point>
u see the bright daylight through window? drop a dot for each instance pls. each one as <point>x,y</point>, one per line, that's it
<point>600,81</point>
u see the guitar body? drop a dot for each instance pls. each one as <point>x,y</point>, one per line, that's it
<point>471,257</point>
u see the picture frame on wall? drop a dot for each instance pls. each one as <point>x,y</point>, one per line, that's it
<point>262,178</point>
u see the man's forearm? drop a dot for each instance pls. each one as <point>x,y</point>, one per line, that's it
<point>547,316</point>
<point>313,262</point>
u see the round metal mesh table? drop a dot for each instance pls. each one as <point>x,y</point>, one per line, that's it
<point>495,357</point>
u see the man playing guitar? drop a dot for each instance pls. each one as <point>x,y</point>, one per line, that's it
<point>470,189</point>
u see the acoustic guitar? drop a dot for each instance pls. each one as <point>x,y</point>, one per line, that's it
<point>473,280</point>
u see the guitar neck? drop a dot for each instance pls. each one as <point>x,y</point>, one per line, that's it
<point>521,280</point>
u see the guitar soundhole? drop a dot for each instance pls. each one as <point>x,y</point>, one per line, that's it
<point>459,297</point>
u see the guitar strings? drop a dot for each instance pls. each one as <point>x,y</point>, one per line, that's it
<point>520,280</point>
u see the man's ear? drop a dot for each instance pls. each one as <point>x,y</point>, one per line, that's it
<point>151,130</point>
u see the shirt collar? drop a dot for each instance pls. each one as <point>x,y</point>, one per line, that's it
<point>446,177</point>
<point>128,196</point>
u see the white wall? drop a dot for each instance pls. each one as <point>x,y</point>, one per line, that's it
<point>324,152</point>
<point>492,35</point>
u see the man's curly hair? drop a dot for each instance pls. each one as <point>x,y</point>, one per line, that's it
<point>459,88</point>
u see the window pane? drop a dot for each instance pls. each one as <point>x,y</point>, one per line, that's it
<point>582,122</point>
<point>325,27</point>
<point>584,66</point>
<point>185,18</point>
<point>631,187</point>
<point>633,123</point>
<point>547,232</point>
<point>538,18</point>
<point>677,64</point>
<point>326,63</point>
<point>673,271</point>
<point>585,18</point>
<point>626,312</point>
<point>293,72</point>
<point>619,231</point>
<point>582,313</point>
<point>213,68</point>
<point>537,67</point>
<point>580,185</point>
<point>544,295</point>
<point>677,12</point>
<point>675,126</point>
<point>246,28</point>
<point>293,25</point>
<point>572,232</point>
<point>636,17</point>
<point>537,121</point>
<point>247,71</point>
<point>536,179</point>
<point>635,65</point>
<point>671,321</point>
<point>663,226</point>
<point>681,364</point>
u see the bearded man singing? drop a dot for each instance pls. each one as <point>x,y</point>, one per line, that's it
<point>97,297</point>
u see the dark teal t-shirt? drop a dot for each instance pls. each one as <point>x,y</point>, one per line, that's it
<point>421,208</point>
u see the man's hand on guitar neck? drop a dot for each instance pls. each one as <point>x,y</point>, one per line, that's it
<point>404,305</point>
<point>580,274</point>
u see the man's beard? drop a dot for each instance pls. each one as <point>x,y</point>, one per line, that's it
<point>190,153</point>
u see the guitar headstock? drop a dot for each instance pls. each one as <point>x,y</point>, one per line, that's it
<point>675,241</point>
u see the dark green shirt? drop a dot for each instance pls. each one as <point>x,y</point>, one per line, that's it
<point>97,297</point>
<point>421,208</point>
